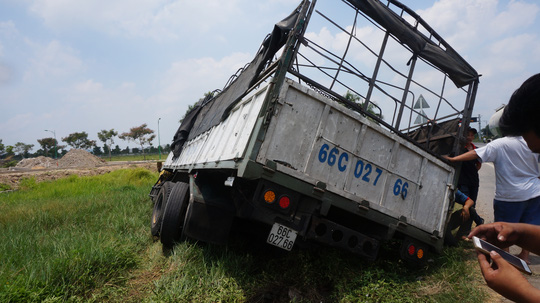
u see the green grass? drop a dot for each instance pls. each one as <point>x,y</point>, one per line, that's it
<point>137,157</point>
<point>238,273</point>
<point>61,240</point>
<point>87,239</point>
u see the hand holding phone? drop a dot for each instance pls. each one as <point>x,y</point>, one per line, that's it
<point>486,248</point>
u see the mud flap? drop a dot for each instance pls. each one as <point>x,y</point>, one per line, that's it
<point>209,215</point>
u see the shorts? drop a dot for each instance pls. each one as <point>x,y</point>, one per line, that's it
<point>517,212</point>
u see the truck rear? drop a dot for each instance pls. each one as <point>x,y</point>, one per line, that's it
<point>328,135</point>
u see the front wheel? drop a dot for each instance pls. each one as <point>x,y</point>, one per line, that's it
<point>174,214</point>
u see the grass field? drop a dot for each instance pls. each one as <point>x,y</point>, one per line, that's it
<point>87,239</point>
<point>136,157</point>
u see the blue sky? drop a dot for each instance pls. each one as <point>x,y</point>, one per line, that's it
<point>88,65</point>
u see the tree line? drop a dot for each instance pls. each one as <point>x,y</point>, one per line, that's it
<point>141,135</point>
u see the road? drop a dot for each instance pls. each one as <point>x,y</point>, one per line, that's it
<point>484,206</point>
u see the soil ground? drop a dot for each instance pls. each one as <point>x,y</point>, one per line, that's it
<point>75,162</point>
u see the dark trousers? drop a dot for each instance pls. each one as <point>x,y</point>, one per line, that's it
<point>457,221</point>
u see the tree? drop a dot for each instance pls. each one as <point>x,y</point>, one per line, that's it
<point>357,99</point>
<point>46,144</point>
<point>22,149</point>
<point>96,150</point>
<point>2,147</point>
<point>79,140</point>
<point>9,150</point>
<point>107,136</point>
<point>141,135</point>
<point>207,96</point>
<point>117,150</point>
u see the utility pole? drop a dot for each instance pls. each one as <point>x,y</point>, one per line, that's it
<point>159,140</point>
<point>480,128</point>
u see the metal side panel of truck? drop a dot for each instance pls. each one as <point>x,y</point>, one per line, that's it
<point>317,141</point>
<point>335,144</point>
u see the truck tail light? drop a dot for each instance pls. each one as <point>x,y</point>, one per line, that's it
<point>269,196</point>
<point>411,250</point>
<point>277,197</point>
<point>415,252</point>
<point>284,202</point>
<point>420,253</point>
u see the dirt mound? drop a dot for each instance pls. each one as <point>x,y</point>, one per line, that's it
<point>74,158</point>
<point>36,163</point>
<point>79,158</point>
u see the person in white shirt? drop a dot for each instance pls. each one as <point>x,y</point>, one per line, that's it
<point>517,186</point>
<point>520,118</point>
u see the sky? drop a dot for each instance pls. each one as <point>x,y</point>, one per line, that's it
<point>91,65</point>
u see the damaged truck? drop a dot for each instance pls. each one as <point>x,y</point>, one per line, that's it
<point>333,133</point>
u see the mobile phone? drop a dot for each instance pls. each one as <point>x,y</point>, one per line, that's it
<point>486,248</point>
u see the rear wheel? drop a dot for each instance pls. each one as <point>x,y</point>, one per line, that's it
<point>157,213</point>
<point>174,214</point>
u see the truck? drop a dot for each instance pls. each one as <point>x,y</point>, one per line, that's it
<point>333,134</point>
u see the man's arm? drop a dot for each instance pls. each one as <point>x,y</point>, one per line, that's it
<point>506,279</point>
<point>470,155</point>
<point>465,213</point>
<point>504,234</point>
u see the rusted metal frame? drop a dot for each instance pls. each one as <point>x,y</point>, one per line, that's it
<point>467,113</point>
<point>345,31</point>
<point>381,59</point>
<point>351,34</point>
<point>281,67</point>
<point>290,50</point>
<point>363,15</point>
<point>286,58</point>
<point>430,30</point>
<point>405,91</point>
<point>429,135</point>
<point>377,67</point>
<point>352,70</point>
<point>361,76</point>
<point>359,109</point>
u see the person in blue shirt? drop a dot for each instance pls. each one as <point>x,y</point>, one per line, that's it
<point>460,218</point>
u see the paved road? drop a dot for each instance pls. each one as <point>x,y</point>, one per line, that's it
<point>485,208</point>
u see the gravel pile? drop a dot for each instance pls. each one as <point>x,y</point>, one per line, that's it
<point>39,162</point>
<point>74,158</point>
<point>79,158</point>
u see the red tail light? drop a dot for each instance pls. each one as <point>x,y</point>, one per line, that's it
<point>411,250</point>
<point>284,202</point>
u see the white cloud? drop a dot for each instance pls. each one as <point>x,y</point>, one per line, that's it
<point>7,29</point>
<point>160,20</point>
<point>517,15</point>
<point>88,87</point>
<point>188,80</point>
<point>5,74</point>
<point>54,60</point>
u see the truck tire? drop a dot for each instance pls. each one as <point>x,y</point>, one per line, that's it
<point>174,215</point>
<point>157,213</point>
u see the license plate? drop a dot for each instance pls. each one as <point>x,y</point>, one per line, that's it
<point>282,236</point>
